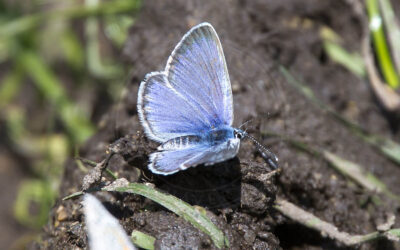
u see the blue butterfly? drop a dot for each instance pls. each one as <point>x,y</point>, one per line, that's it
<point>188,107</point>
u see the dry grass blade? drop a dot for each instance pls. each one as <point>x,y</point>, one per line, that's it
<point>328,230</point>
<point>355,172</point>
<point>386,146</point>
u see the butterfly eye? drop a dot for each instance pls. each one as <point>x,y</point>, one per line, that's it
<point>237,134</point>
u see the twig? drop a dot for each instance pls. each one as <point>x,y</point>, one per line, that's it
<point>95,174</point>
<point>328,230</point>
<point>262,177</point>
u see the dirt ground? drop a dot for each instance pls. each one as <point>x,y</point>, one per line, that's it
<point>256,36</point>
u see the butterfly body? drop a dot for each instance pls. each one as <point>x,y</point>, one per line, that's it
<point>188,107</point>
<point>226,141</point>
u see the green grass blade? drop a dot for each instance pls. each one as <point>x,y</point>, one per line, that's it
<point>349,169</point>
<point>381,48</point>
<point>25,23</point>
<point>72,49</point>
<point>393,30</point>
<point>351,61</point>
<point>143,240</point>
<point>386,146</point>
<point>179,207</point>
<point>33,192</point>
<point>95,62</point>
<point>395,232</point>
<point>76,122</point>
<point>355,172</point>
<point>76,194</point>
<point>10,86</point>
<point>117,27</point>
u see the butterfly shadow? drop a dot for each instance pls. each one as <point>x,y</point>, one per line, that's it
<point>214,187</point>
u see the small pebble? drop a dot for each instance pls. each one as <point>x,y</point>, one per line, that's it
<point>61,213</point>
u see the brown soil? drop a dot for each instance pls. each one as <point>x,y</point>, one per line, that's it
<point>256,35</point>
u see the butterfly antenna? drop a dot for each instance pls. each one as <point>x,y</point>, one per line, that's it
<point>246,122</point>
<point>270,157</point>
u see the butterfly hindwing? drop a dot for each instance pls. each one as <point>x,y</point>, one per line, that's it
<point>171,161</point>
<point>189,151</point>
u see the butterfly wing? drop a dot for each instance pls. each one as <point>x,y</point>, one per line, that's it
<point>189,151</point>
<point>171,161</point>
<point>165,113</point>
<point>193,94</point>
<point>197,69</point>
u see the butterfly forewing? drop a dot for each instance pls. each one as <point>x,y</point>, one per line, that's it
<point>195,95</point>
<point>197,69</point>
<point>164,113</point>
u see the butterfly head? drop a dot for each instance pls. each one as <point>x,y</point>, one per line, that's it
<point>238,133</point>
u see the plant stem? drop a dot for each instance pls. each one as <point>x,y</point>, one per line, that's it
<point>328,230</point>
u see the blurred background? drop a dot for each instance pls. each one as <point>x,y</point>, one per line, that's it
<point>61,69</point>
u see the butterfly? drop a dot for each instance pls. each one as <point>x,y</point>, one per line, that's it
<point>188,107</point>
